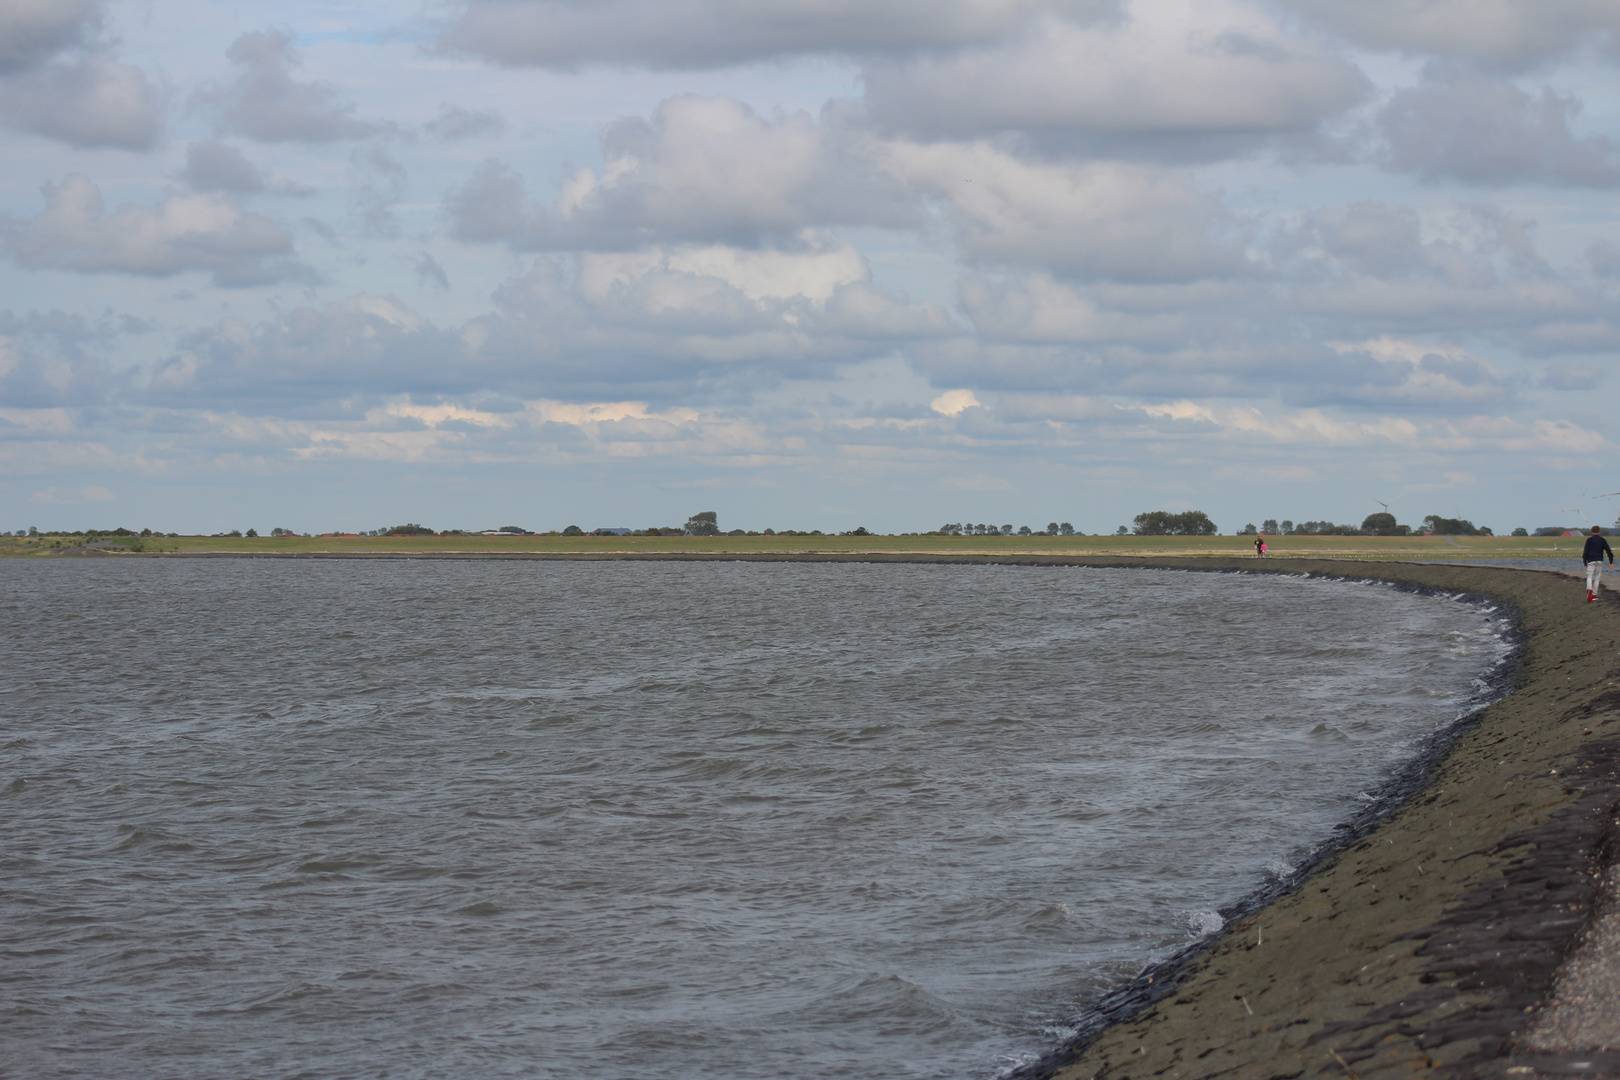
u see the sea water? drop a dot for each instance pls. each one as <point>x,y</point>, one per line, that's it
<point>452,819</point>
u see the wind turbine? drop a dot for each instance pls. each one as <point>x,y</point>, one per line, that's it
<point>1610,495</point>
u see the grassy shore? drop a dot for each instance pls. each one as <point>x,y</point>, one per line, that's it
<point>1316,547</point>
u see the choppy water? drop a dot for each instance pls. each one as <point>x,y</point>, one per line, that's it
<point>603,821</point>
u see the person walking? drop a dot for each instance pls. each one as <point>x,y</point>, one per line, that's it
<point>1592,556</point>
<point>1259,546</point>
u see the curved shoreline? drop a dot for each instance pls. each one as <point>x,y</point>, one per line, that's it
<point>1427,946</point>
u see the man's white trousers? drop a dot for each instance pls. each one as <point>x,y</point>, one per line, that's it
<point>1594,575</point>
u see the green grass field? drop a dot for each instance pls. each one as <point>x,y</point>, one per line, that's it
<point>1332,547</point>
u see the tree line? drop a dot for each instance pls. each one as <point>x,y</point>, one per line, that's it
<point>1379,524</point>
<point>707,523</point>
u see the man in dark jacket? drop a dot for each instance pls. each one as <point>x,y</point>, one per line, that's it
<point>1596,549</point>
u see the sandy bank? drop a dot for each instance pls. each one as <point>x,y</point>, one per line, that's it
<point>1430,945</point>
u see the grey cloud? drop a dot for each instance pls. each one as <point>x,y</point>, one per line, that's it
<point>454,123</point>
<point>665,331</point>
<point>1573,377</point>
<point>704,169</point>
<point>307,358</point>
<point>90,101</point>
<point>645,331</point>
<point>86,98</point>
<point>1488,131</point>
<point>205,232</point>
<point>1510,34</point>
<point>1605,258</point>
<point>214,166</point>
<point>1036,308</point>
<point>1576,335</point>
<point>1100,220</point>
<point>1245,361</point>
<point>1231,368</point>
<point>430,272</point>
<point>266,104</point>
<point>565,34</point>
<point>1480,247</point>
<point>374,199</point>
<point>51,359</point>
<point>1204,83</point>
<point>32,31</point>
<point>322,230</point>
<point>1369,268</point>
<point>1434,383</point>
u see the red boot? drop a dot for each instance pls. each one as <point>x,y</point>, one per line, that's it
<point>1589,596</point>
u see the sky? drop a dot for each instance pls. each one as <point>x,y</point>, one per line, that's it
<point>332,266</point>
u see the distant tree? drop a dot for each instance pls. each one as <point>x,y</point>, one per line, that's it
<point>1152,523</point>
<point>744,532</point>
<point>250,532</point>
<point>1248,530</point>
<point>1051,528</point>
<point>1324,528</point>
<point>1066,529</point>
<point>859,530</point>
<point>516,530</point>
<point>1122,531</point>
<point>573,530</point>
<point>1006,530</point>
<point>1521,532</point>
<point>408,530</point>
<point>1287,527</point>
<point>1163,523</point>
<point>703,523</point>
<point>1025,530</point>
<point>1444,526</point>
<point>1379,524</point>
<point>234,532</point>
<point>1269,527</point>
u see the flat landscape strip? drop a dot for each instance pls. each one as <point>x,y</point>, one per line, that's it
<point>1428,946</point>
<point>1335,547</point>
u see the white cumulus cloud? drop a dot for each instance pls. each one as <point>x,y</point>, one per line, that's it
<point>207,232</point>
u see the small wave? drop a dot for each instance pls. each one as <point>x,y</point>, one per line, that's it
<point>481,908</point>
<point>1052,915</point>
<point>890,1003</point>
<point>1278,869</point>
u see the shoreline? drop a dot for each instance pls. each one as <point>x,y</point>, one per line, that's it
<point>1430,945</point>
<point>1425,946</point>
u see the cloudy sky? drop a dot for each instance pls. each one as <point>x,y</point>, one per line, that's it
<point>808,263</point>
